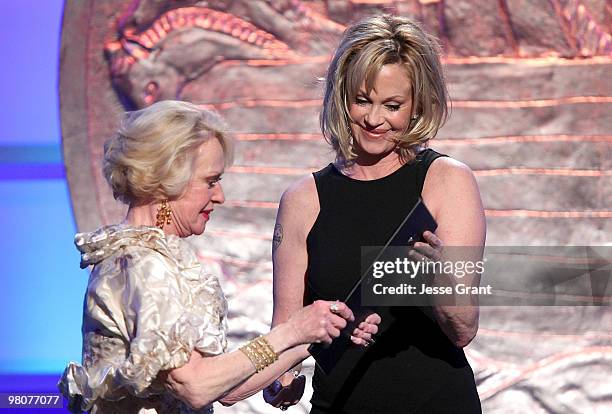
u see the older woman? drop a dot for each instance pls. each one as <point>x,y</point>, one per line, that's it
<point>154,323</point>
<point>385,98</point>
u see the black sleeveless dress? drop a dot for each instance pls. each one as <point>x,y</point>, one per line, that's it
<point>412,368</point>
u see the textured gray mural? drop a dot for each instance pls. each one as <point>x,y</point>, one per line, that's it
<point>530,82</point>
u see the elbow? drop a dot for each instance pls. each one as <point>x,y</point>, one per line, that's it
<point>463,337</point>
<point>460,329</point>
<point>196,402</point>
<point>463,340</point>
<point>227,402</point>
<point>234,396</point>
<point>184,388</point>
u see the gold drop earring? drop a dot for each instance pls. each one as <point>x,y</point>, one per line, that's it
<point>164,215</point>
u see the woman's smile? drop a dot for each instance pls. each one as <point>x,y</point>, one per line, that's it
<point>206,214</point>
<point>373,133</point>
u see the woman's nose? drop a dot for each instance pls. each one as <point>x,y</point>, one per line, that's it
<point>373,117</point>
<point>218,195</point>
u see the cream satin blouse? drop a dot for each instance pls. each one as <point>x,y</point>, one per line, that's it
<point>148,305</point>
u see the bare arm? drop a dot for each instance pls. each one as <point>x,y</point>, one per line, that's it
<point>451,192</point>
<point>206,379</point>
<point>298,210</point>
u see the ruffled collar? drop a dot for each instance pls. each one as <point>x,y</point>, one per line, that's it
<point>102,243</point>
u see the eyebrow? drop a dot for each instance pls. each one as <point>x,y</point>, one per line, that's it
<point>214,176</point>
<point>391,98</point>
<point>394,97</point>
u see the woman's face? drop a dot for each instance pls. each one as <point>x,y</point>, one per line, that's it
<point>191,212</point>
<point>377,118</point>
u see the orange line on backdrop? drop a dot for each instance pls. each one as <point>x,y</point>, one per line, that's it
<point>488,212</point>
<point>372,1</point>
<point>238,169</point>
<point>243,169</point>
<point>548,214</point>
<point>252,204</point>
<point>547,61</point>
<point>238,234</point>
<point>279,137</point>
<point>533,103</point>
<point>309,103</point>
<point>297,60</point>
<point>301,136</point>
<point>449,60</point>
<point>524,138</point>
<point>543,171</point>
<point>256,103</point>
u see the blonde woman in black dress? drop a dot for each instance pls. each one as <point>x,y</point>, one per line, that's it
<point>385,98</point>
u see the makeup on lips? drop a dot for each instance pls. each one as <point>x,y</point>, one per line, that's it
<point>373,133</point>
<point>206,214</point>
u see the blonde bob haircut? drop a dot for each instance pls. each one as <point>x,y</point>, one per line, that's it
<point>151,157</point>
<point>364,48</point>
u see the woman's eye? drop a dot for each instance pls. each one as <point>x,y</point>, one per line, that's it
<point>361,101</point>
<point>393,108</point>
<point>212,183</point>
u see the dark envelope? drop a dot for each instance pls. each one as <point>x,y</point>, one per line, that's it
<point>417,221</point>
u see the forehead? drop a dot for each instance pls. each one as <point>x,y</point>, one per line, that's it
<point>391,80</point>
<point>209,158</point>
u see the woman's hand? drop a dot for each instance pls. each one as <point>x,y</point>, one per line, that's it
<point>320,322</point>
<point>364,333</point>
<point>286,390</point>
<point>430,250</point>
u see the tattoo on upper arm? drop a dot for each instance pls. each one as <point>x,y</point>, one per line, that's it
<point>278,236</point>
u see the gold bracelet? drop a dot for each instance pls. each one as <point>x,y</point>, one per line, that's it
<point>260,352</point>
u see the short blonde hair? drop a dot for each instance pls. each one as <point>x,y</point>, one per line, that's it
<point>150,158</point>
<point>364,48</point>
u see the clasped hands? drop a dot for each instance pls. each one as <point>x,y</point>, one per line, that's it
<point>321,322</point>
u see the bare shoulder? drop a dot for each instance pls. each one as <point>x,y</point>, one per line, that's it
<point>301,193</point>
<point>449,183</point>
<point>299,206</point>
<point>447,176</point>
<point>449,169</point>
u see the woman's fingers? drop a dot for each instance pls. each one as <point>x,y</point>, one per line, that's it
<point>333,332</point>
<point>337,321</point>
<point>360,333</point>
<point>432,239</point>
<point>359,341</point>
<point>373,318</point>
<point>430,249</point>
<point>425,249</point>
<point>368,328</point>
<point>340,309</point>
<point>334,317</point>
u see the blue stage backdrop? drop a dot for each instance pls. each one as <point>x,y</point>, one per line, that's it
<point>43,286</point>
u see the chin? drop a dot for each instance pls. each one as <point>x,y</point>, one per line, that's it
<point>375,149</point>
<point>198,230</point>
